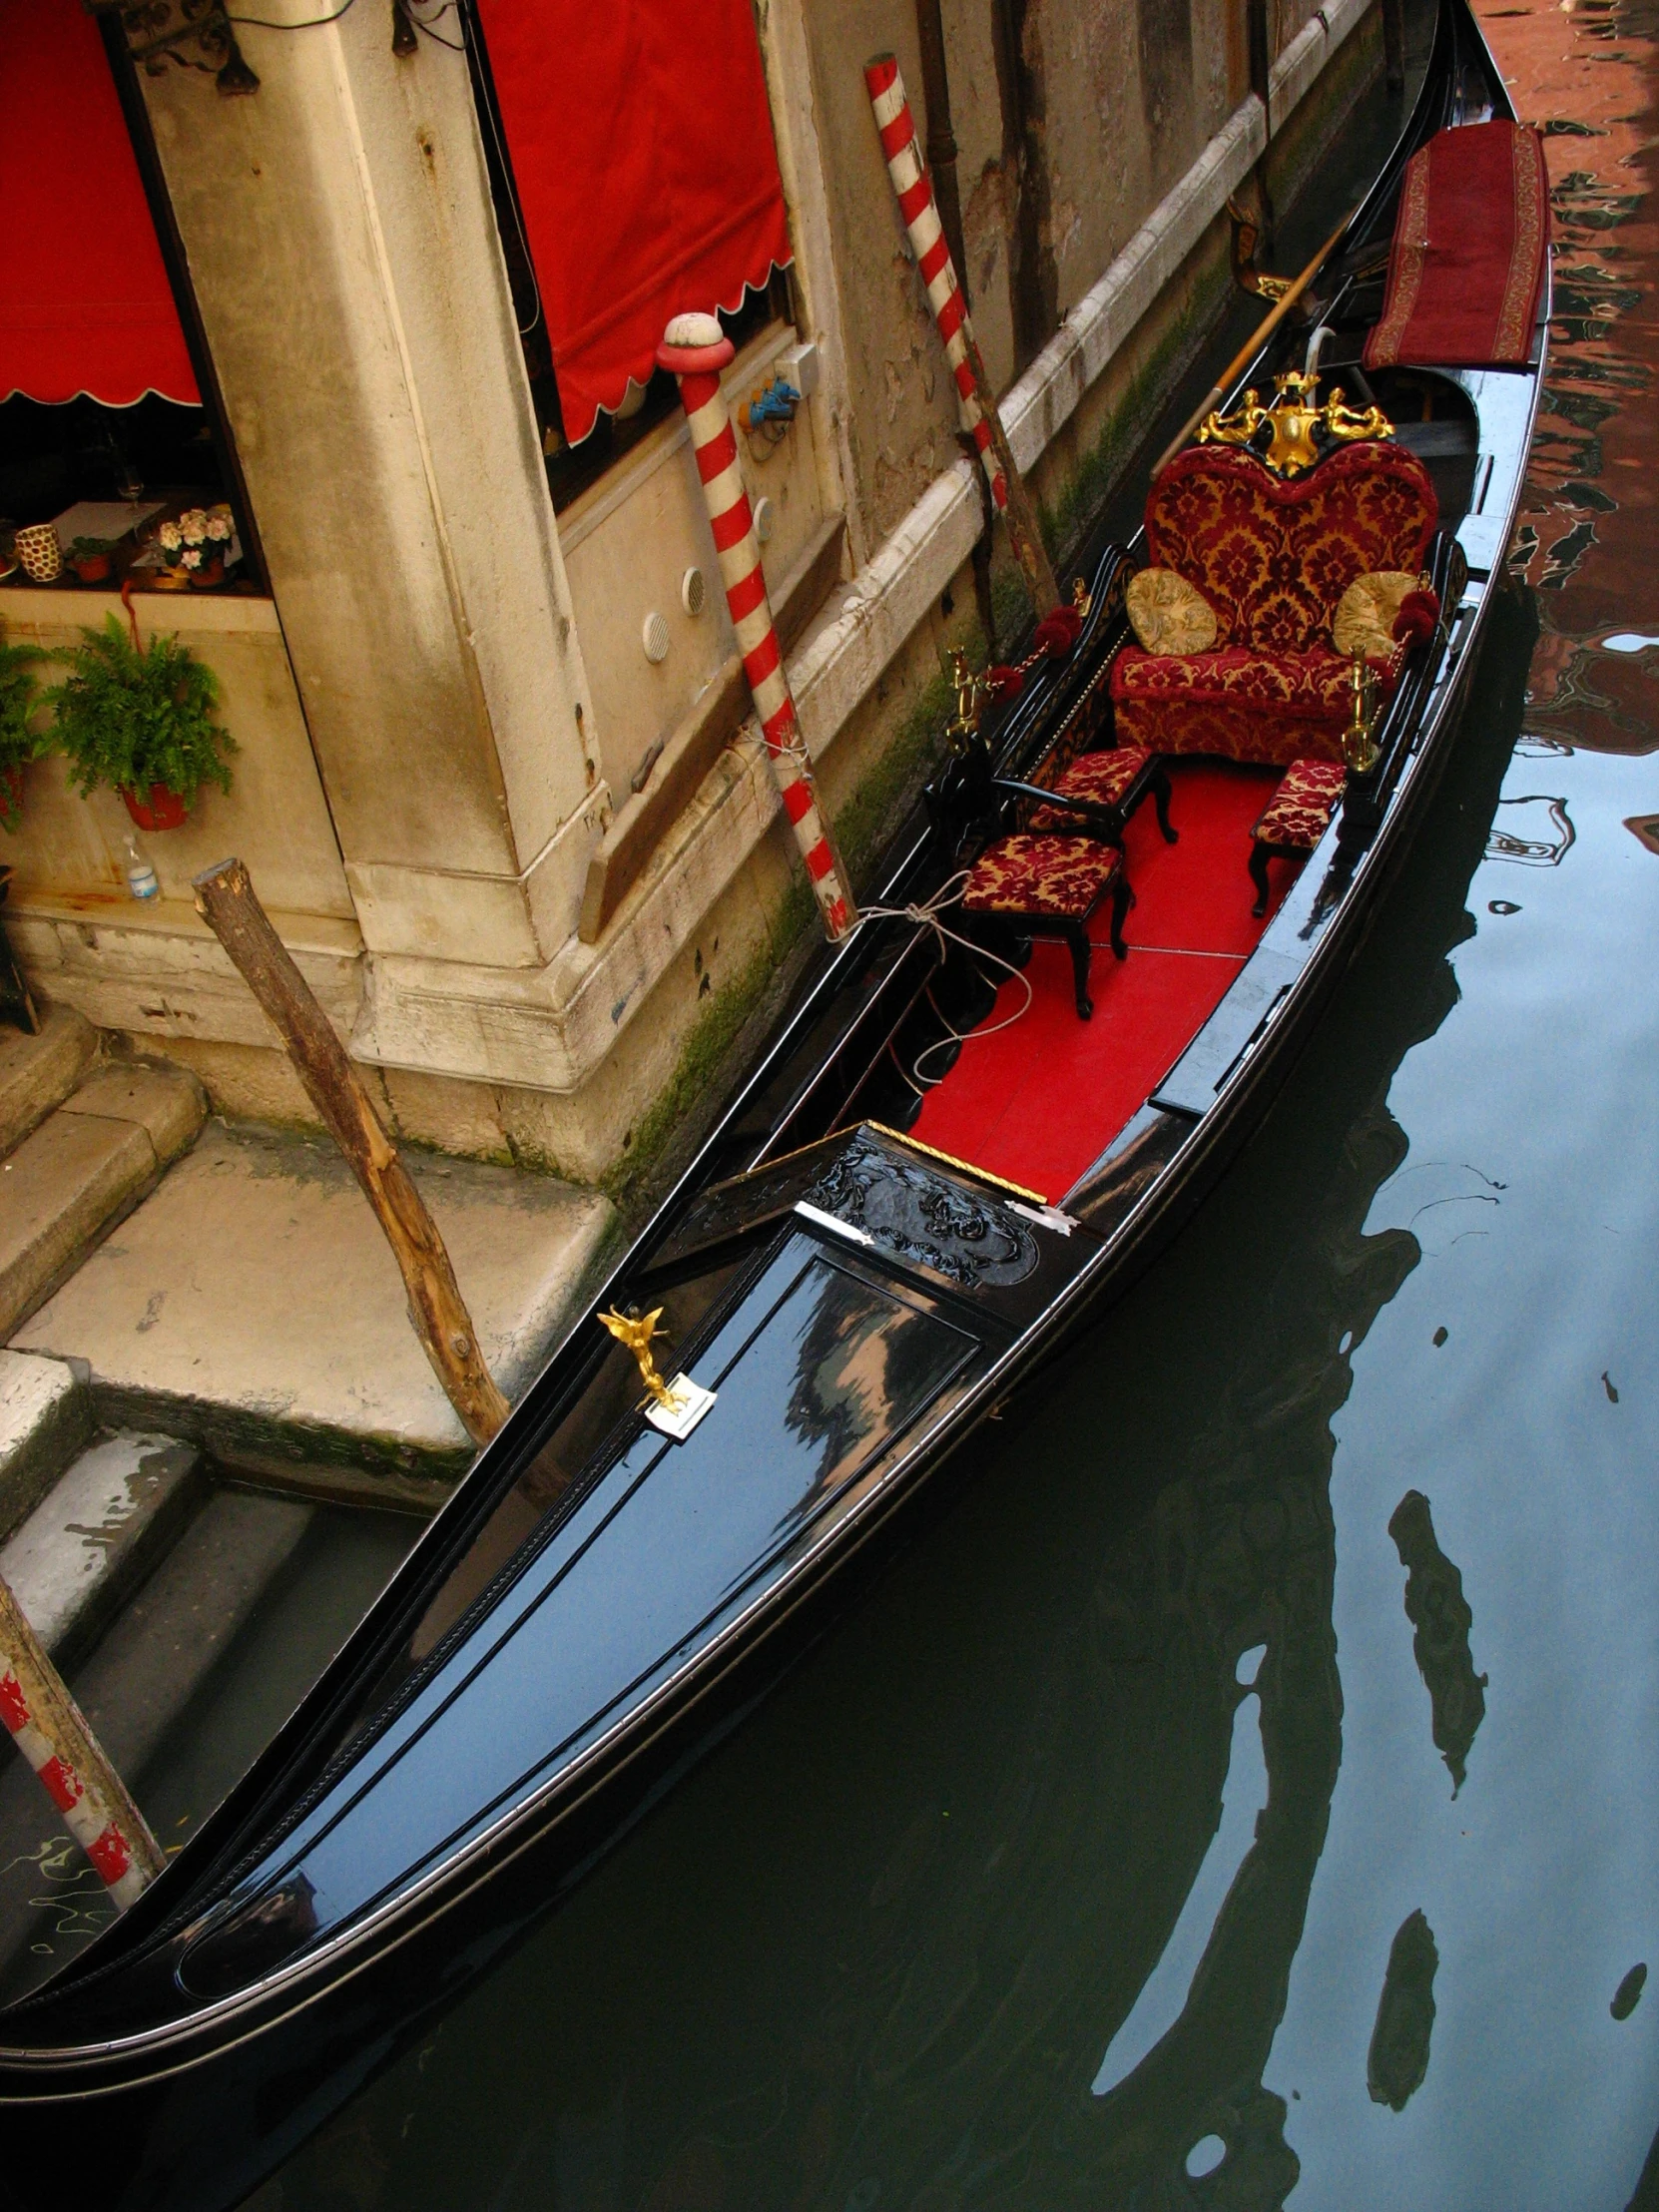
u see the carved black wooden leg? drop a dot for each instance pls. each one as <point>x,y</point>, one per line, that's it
<point>1160,800</point>
<point>16,1005</point>
<point>1077,937</point>
<point>1259,876</point>
<point>1122,899</point>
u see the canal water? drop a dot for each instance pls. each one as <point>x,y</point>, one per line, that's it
<point>1249,1792</point>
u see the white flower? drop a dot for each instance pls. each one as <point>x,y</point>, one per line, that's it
<point>194,524</point>
<point>169,535</point>
<point>218,528</point>
<point>192,556</point>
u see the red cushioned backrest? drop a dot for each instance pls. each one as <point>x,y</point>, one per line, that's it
<point>1275,558</point>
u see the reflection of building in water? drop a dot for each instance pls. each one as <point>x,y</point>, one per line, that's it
<point>1440,1613</point>
<point>1396,2065</point>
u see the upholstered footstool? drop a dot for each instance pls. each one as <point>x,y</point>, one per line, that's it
<point>1119,779</point>
<point>1049,886</point>
<point>1294,819</point>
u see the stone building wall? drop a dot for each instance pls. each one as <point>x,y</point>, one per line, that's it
<point>444,706</point>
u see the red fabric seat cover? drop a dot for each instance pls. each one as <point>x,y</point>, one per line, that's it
<point>1273,559</point>
<point>1299,810</point>
<point>1024,874</point>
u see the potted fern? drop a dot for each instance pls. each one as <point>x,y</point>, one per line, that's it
<point>139,717</point>
<point>20,742</point>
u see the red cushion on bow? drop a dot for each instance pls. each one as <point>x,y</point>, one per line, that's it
<point>1003,682</point>
<point>1059,633</point>
<point>1420,611</point>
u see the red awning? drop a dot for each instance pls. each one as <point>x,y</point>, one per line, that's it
<point>85,305</point>
<point>641,144</point>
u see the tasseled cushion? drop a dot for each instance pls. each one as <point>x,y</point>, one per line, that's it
<point>1300,812</point>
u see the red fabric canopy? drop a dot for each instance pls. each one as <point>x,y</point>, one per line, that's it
<point>641,145</point>
<point>85,305</point>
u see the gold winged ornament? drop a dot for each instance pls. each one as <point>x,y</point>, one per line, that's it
<point>674,1408</point>
<point>1295,420</point>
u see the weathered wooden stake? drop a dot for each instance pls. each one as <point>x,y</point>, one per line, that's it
<point>52,1733</point>
<point>225,901</point>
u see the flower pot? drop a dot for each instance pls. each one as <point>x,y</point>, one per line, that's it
<point>39,551</point>
<point>169,579</point>
<point>208,574</point>
<point>92,568</point>
<point>159,810</point>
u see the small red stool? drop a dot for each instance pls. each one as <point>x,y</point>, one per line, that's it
<point>1294,819</point>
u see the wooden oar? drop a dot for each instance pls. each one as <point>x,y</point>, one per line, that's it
<point>1248,352</point>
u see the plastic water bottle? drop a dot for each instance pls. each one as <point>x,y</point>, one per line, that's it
<point>140,876</point>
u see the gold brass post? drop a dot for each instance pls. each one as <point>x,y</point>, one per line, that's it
<point>1360,750</point>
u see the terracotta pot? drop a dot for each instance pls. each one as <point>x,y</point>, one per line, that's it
<point>208,574</point>
<point>162,809</point>
<point>92,568</point>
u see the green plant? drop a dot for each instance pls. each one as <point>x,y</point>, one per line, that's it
<point>133,716</point>
<point>19,740</point>
<point>88,549</point>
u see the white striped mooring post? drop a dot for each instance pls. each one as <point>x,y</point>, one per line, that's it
<point>976,400</point>
<point>695,350</point>
<point>51,1731</point>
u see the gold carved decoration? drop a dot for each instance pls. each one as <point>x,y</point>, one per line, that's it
<point>1293,419</point>
<point>638,1331</point>
<point>971,692</point>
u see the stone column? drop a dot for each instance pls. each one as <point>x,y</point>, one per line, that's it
<point>344,249</point>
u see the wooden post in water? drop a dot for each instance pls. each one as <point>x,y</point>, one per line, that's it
<point>52,1733</point>
<point>225,901</point>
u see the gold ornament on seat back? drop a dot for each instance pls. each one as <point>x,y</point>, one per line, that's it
<point>1293,419</point>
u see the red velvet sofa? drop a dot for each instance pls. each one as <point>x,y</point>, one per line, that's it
<point>1273,559</point>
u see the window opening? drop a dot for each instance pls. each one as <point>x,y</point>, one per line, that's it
<point>114,475</point>
<point>572,468</point>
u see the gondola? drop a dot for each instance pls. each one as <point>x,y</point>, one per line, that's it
<point>848,1280</point>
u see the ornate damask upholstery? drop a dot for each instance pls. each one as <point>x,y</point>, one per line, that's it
<point>1294,819</point>
<point>1103,779</point>
<point>1033,876</point>
<point>1051,886</point>
<point>1273,560</point>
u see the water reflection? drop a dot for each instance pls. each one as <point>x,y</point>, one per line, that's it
<point>1396,2065</point>
<point>1441,1618</point>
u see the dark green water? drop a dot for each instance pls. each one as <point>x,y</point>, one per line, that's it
<point>1261,1761</point>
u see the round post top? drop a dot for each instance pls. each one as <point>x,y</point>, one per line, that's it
<point>694,341</point>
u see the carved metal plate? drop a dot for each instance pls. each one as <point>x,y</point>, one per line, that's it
<point>917,1214</point>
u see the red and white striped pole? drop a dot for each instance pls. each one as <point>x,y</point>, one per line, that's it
<point>695,350</point>
<point>51,1731</point>
<point>980,419</point>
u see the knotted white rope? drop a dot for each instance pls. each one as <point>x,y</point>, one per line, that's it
<point>928,913</point>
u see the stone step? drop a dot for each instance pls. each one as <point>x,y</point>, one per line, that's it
<point>37,1073</point>
<point>45,1418</point>
<point>82,1168</point>
<point>159,1652</point>
<point>97,1533</point>
<point>253,1305</point>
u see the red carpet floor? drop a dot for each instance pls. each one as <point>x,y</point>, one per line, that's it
<point>1037,1101</point>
